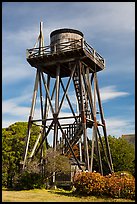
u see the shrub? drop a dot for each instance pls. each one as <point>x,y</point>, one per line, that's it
<point>28,180</point>
<point>117,185</point>
<point>89,183</point>
<point>121,185</point>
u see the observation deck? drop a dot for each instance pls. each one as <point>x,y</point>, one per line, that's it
<point>47,58</point>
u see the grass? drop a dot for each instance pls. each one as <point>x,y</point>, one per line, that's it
<point>58,195</point>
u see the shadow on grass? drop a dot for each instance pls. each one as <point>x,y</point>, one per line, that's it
<point>94,197</point>
<point>63,192</point>
<point>71,193</point>
<point>8,189</point>
<point>74,193</point>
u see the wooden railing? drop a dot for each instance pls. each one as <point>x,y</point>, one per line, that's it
<point>64,47</point>
<point>94,53</point>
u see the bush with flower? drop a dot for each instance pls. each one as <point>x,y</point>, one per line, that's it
<point>121,185</point>
<point>89,183</point>
<point>117,185</point>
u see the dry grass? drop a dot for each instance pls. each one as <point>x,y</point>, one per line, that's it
<point>59,195</point>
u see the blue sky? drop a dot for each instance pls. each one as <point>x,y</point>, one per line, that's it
<point>109,27</point>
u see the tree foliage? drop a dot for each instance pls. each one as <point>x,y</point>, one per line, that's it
<point>123,154</point>
<point>30,178</point>
<point>13,143</point>
<point>56,164</point>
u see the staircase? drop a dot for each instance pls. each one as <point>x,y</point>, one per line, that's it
<point>75,131</point>
<point>76,83</point>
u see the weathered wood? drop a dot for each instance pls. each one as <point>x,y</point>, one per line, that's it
<point>63,60</point>
<point>30,118</point>
<point>68,84</point>
<point>104,127</point>
<point>41,96</point>
<point>41,143</point>
<point>83,118</point>
<point>59,118</point>
<point>68,100</point>
<point>102,146</point>
<point>35,145</point>
<point>56,108</point>
<point>95,128</point>
<point>46,109</point>
<point>64,136</point>
<point>48,95</point>
<point>77,64</point>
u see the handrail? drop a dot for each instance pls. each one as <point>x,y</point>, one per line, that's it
<point>53,49</point>
<point>63,47</point>
<point>94,53</point>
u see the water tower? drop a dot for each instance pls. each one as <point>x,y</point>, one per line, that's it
<point>69,61</point>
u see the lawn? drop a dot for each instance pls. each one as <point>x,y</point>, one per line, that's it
<point>58,195</point>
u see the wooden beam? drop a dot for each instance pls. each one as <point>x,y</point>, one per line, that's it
<point>55,139</point>
<point>48,95</point>
<point>83,118</point>
<point>30,118</point>
<point>64,136</point>
<point>104,127</point>
<point>65,92</point>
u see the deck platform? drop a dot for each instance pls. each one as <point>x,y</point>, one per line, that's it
<point>48,61</point>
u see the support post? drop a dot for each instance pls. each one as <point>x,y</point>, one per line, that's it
<point>55,115</point>
<point>95,129</point>
<point>46,108</point>
<point>104,128</point>
<point>56,108</point>
<point>31,117</point>
<point>41,39</point>
<point>83,119</point>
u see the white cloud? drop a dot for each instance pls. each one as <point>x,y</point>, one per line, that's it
<point>118,126</point>
<point>14,74</point>
<point>7,123</point>
<point>114,16</point>
<point>115,126</point>
<point>110,92</point>
<point>13,108</point>
<point>101,17</point>
<point>21,37</point>
<point>26,37</point>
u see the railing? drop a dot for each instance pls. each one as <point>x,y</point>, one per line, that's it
<point>93,52</point>
<point>64,47</point>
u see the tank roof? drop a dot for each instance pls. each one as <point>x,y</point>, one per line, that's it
<point>66,30</point>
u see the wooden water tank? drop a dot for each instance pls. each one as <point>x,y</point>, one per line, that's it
<point>65,39</point>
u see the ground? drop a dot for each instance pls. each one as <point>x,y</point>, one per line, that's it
<point>58,195</point>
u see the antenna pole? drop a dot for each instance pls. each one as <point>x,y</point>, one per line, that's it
<point>41,39</point>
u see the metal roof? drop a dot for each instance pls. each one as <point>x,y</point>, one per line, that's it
<point>66,30</point>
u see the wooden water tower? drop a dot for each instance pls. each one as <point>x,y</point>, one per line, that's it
<point>68,61</point>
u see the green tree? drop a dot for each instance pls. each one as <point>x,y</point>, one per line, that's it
<point>56,163</point>
<point>32,176</point>
<point>123,155</point>
<point>13,143</point>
